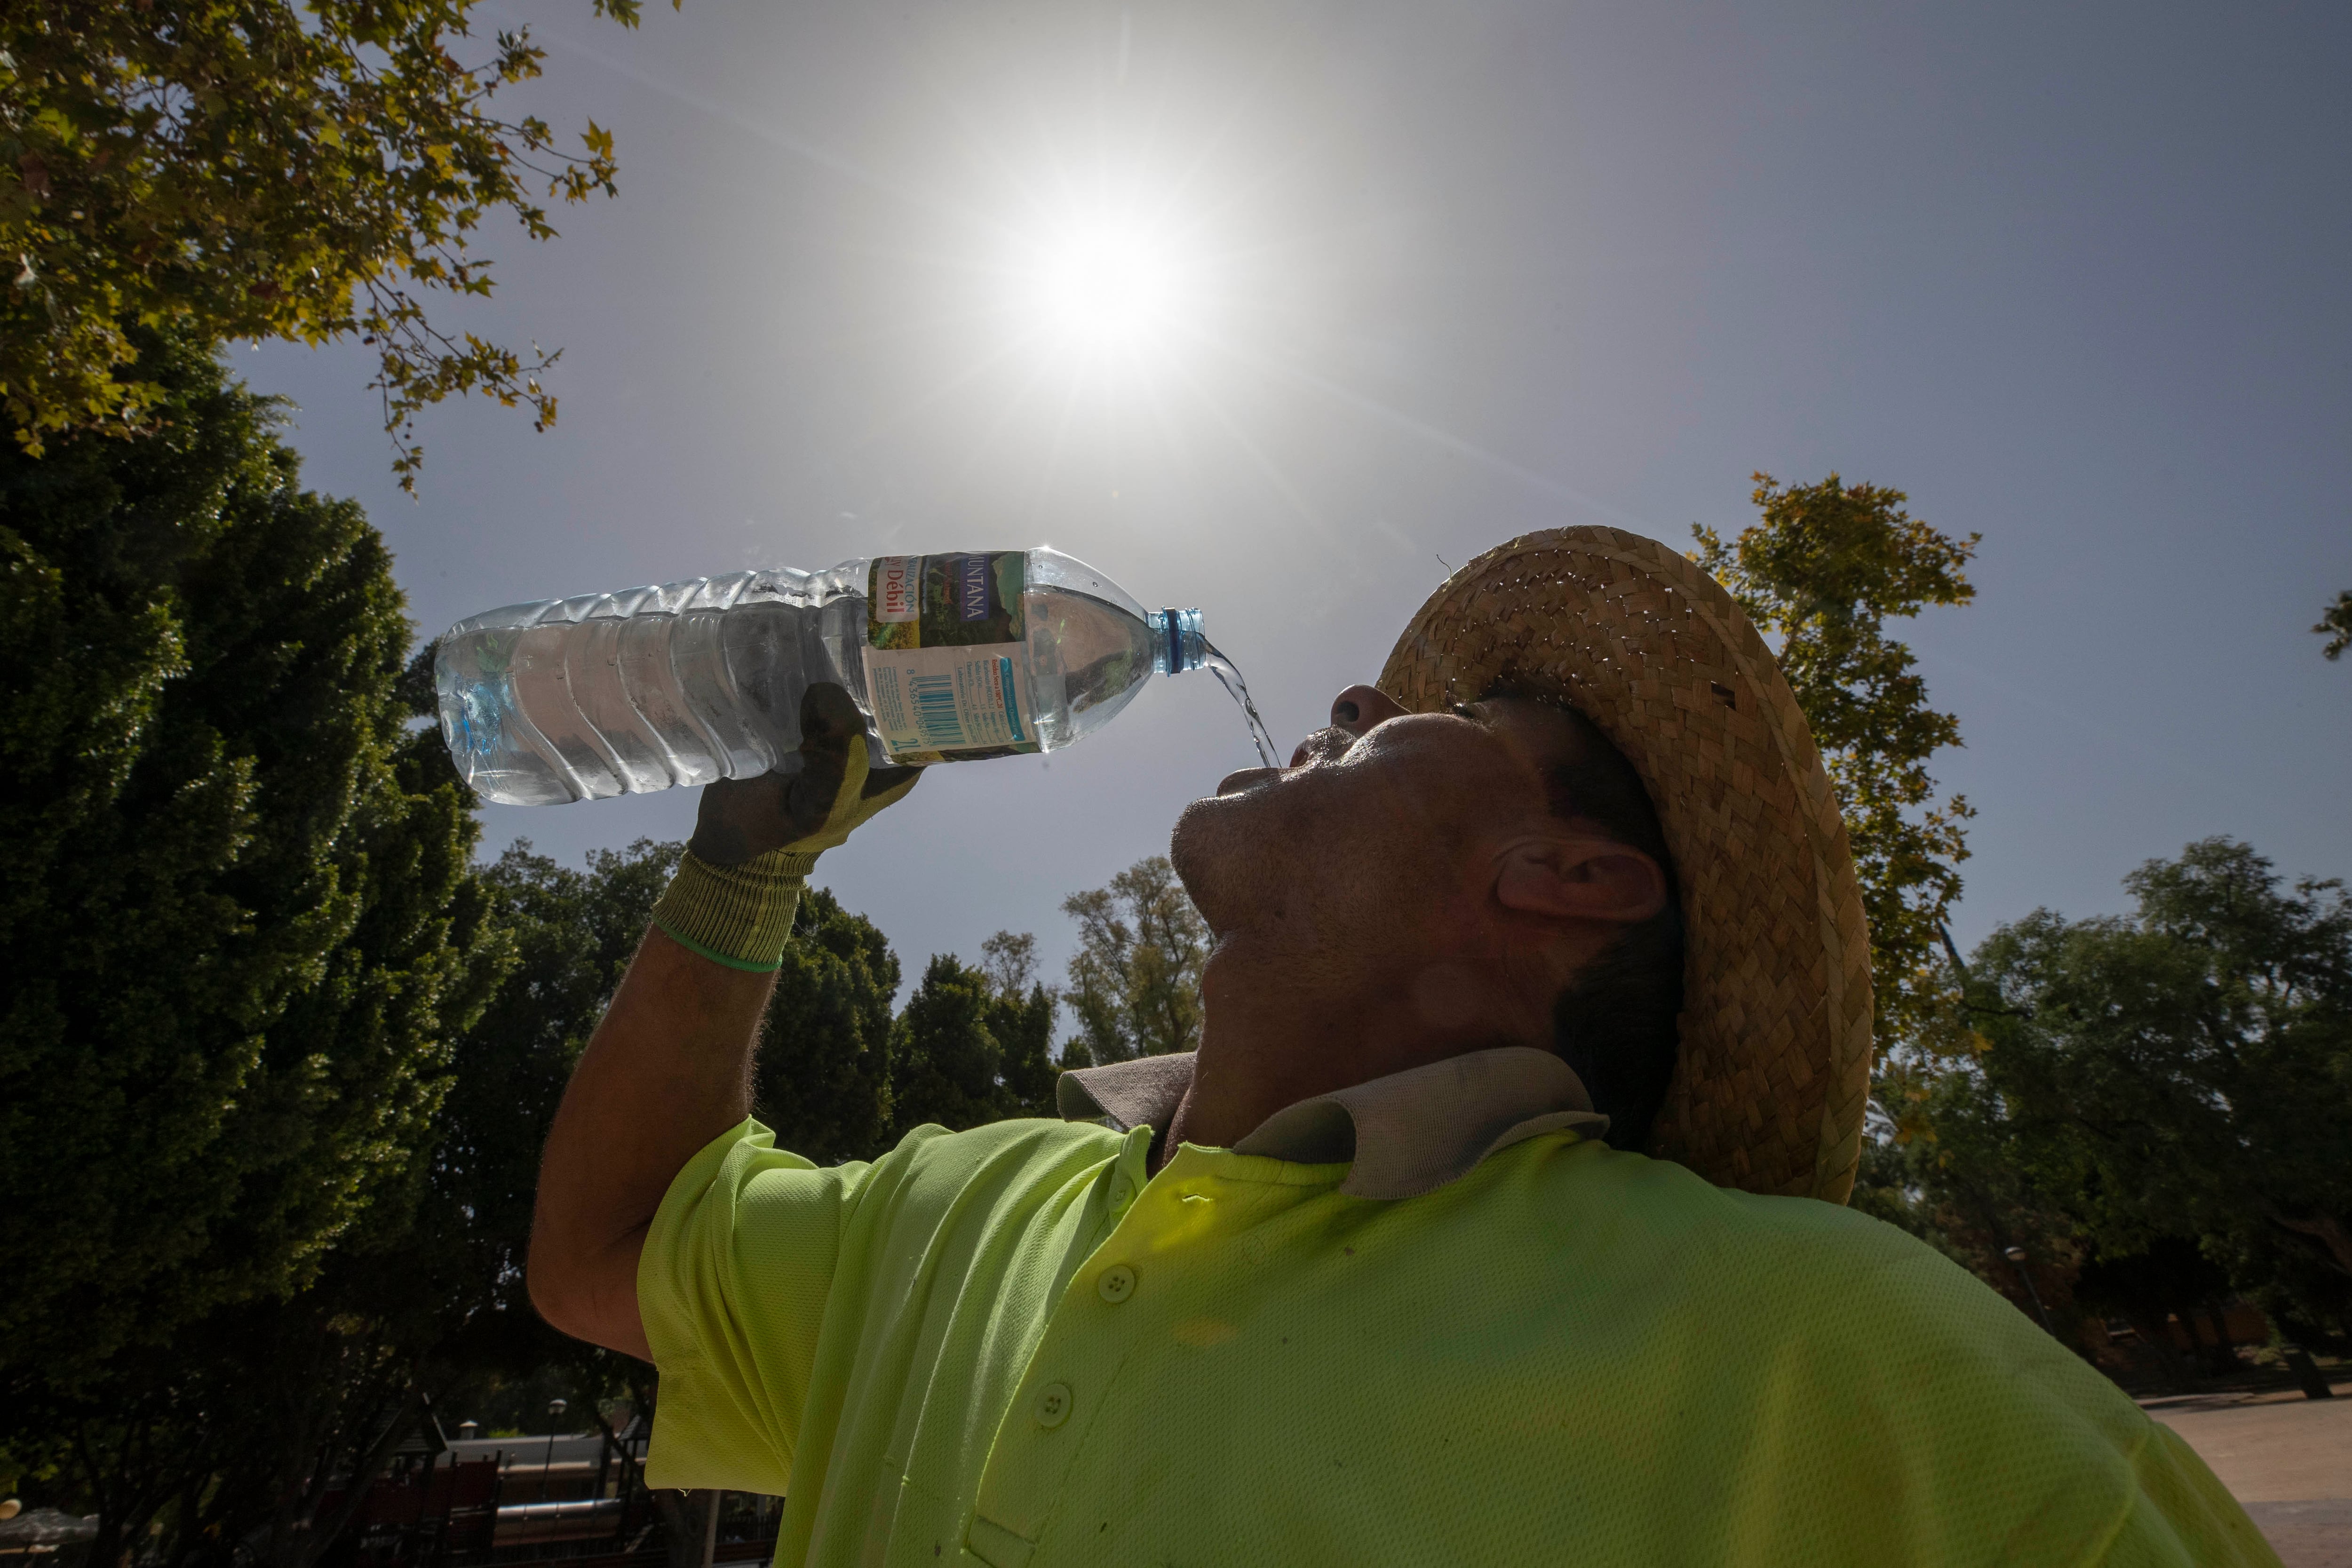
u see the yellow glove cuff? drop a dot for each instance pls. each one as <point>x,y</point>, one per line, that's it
<point>740,916</point>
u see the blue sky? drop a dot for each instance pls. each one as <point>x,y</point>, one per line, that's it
<point>2073,277</point>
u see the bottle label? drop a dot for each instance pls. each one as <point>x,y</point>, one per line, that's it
<point>947,665</point>
<point>896,595</point>
<point>945,601</point>
<point>928,701</point>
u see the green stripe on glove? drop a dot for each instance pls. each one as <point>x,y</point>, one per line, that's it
<point>740,916</point>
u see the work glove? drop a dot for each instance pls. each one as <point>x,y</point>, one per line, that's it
<point>756,840</point>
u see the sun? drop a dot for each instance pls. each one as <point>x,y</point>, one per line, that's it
<point>1108,287</point>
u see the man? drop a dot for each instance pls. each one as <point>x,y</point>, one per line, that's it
<point>1381,1275</point>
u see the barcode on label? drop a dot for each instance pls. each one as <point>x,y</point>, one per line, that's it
<point>933,702</point>
<point>935,710</point>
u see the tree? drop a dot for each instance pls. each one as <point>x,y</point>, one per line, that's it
<point>227,1438</point>
<point>966,1051</point>
<point>444,1298</point>
<point>1009,958</point>
<point>429,1300</point>
<point>822,1083</point>
<point>1979,1189</point>
<point>2335,625</point>
<point>2188,1069</point>
<point>1979,1181</point>
<point>243,936</point>
<point>234,1433</point>
<point>1135,981</point>
<point>571,934</point>
<point>258,169</point>
<point>1023,1013</point>
<point>240,925</point>
<point>1822,572</point>
<point>945,1062</point>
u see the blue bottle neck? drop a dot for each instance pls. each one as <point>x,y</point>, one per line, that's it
<point>1177,641</point>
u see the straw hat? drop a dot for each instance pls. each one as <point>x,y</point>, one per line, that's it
<point>1775,1065</point>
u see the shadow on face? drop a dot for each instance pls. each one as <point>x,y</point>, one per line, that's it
<point>1378,809</point>
<point>1504,839</point>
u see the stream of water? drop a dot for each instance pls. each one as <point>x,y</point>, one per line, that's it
<point>1229,676</point>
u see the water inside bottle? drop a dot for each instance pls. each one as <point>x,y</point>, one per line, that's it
<point>1229,676</point>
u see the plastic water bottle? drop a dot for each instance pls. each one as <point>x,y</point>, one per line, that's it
<point>951,657</point>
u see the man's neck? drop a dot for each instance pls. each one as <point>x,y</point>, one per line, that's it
<point>1271,1036</point>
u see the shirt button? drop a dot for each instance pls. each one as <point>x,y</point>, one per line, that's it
<point>1121,1191</point>
<point>1053,1405</point>
<point>1116,1284</point>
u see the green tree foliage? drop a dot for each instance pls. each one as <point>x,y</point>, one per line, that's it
<point>1025,1011</point>
<point>262,169</point>
<point>240,928</point>
<point>226,1436</point>
<point>1965,1180</point>
<point>571,934</point>
<point>1978,1183</point>
<point>1009,958</point>
<point>2335,625</point>
<point>1135,981</point>
<point>1023,1022</point>
<point>2155,1109</point>
<point>823,1079</point>
<point>232,1433</point>
<point>2187,1069</point>
<point>966,1051</point>
<point>1978,1180</point>
<point>945,1062</point>
<point>1821,573</point>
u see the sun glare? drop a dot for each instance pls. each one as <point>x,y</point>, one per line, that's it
<point>1109,288</point>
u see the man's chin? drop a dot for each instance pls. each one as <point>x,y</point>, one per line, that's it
<point>1209,850</point>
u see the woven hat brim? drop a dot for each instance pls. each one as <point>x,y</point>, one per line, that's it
<point>1774,1074</point>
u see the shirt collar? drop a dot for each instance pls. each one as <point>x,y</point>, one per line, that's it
<point>1408,1134</point>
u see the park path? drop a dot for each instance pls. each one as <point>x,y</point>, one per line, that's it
<point>2287,1459</point>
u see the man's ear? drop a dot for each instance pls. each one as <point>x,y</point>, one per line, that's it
<point>1579,877</point>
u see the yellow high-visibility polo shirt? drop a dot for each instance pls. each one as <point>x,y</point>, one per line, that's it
<point>1013,1346</point>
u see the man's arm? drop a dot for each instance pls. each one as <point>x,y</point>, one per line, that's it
<point>669,1068</point>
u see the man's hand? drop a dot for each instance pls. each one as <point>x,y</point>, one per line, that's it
<point>812,803</point>
<point>668,1068</point>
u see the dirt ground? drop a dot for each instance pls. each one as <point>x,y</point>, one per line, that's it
<point>2287,1459</point>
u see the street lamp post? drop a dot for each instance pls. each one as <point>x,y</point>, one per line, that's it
<point>555,1409</point>
<point>2017,1254</point>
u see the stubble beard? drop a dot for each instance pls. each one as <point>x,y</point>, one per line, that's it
<point>1200,847</point>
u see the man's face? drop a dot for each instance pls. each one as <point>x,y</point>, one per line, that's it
<point>1381,828</point>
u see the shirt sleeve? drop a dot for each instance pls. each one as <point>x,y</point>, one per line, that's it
<point>1955,1427</point>
<point>2035,1455</point>
<point>2181,1514</point>
<point>732,1287</point>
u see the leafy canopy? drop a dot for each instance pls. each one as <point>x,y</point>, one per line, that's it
<point>2335,625</point>
<point>2189,1067</point>
<point>257,169</point>
<point>965,1053</point>
<point>2157,1109</point>
<point>822,1082</point>
<point>232,1434</point>
<point>1135,981</point>
<point>240,926</point>
<point>570,934</point>
<point>1822,572</point>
